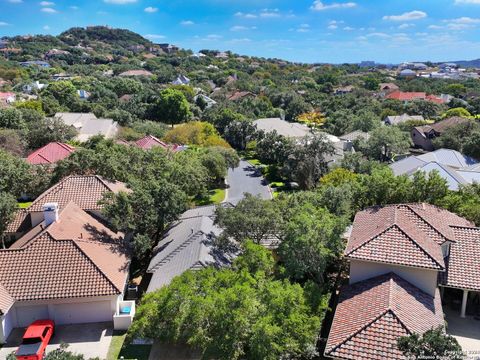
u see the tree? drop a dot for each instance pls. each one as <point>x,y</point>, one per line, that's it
<point>195,133</point>
<point>273,148</point>
<point>295,108</point>
<point>371,83</point>
<point>12,141</point>
<point>308,160</point>
<point>433,344</point>
<point>252,219</point>
<point>8,206</point>
<point>310,242</point>
<point>239,133</point>
<point>458,111</point>
<point>11,118</point>
<point>239,313</point>
<point>456,90</point>
<point>171,107</point>
<point>62,91</point>
<point>48,130</point>
<point>387,141</point>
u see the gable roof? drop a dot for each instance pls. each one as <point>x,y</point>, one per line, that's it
<point>50,153</point>
<point>282,127</point>
<point>463,263</point>
<point>372,314</point>
<point>355,135</point>
<point>441,126</point>
<point>150,141</point>
<point>398,119</point>
<point>75,256</point>
<point>188,244</point>
<point>240,95</point>
<point>136,73</point>
<point>88,125</point>
<point>404,234</point>
<point>84,190</point>
<point>406,96</point>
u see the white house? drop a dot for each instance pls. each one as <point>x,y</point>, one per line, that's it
<point>88,125</point>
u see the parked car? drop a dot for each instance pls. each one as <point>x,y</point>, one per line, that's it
<point>35,340</point>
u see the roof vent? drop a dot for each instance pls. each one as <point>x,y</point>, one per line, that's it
<point>50,213</point>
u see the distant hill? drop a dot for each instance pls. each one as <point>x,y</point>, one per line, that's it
<point>115,37</point>
<point>468,63</point>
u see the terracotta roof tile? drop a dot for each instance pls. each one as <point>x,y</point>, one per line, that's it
<point>150,141</point>
<point>463,263</point>
<point>85,191</point>
<point>50,153</point>
<point>6,301</point>
<point>399,234</point>
<point>372,314</point>
<point>74,257</point>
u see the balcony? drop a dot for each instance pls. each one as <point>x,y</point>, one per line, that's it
<point>124,315</point>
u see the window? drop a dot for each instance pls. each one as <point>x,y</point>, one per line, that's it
<point>45,332</point>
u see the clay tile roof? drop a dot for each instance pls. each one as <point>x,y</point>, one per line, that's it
<point>84,190</point>
<point>463,263</point>
<point>150,141</point>
<point>50,153</point>
<point>406,96</point>
<point>372,314</point>
<point>18,223</point>
<point>405,234</point>
<point>6,301</point>
<point>74,257</point>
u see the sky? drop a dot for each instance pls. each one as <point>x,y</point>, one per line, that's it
<point>334,31</point>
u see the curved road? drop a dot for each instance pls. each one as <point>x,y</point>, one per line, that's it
<point>245,179</point>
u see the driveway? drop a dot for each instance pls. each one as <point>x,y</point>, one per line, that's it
<point>246,179</point>
<point>90,340</point>
<point>465,330</point>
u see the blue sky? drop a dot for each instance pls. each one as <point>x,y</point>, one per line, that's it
<point>299,30</point>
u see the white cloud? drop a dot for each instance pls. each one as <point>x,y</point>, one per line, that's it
<point>245,15</point>
<point>46,27</point>
<point>405,26</point>
<point>15,1</point>
<point>3,23</point>
<point>269,13</point>
<point>464,20</point>
<point>408,16</point>
<point>435,27</point>
<point>154,36</point>
<point>348,28</point>
<point>74,7</point>
<point>239,28</point>
<point>378,35</point>
<point>150,9</point>
<point>332,26</point>
<point>320,6</point>
<point>475,2</point>
<point>120,2</point>
<point>47,3</point>
<point>187,22</point>
<point>49,10</point>
<point>213,37</point>
<point>242,40</point>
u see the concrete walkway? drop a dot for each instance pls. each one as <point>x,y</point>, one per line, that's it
<point>465,330</point>
<point>246,179</point>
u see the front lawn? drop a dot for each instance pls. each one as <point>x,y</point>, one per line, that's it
<point>24,205</point>
<point>215,196</point>
<point>118,348</point>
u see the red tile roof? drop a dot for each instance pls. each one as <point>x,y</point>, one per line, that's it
<point>463,263</point>
<point>410,96</point>
<point>240,95</point>
<point>50,153</point>
<point>84,190</point>
<point>76,256</point>
<point>150,141</point>
<point>372,314</point>
<point>406,234</point>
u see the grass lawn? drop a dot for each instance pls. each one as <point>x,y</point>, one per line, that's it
<point>24,205</point>
<point>117,348</point>
<point>254,162</point>
<point>215,196</point>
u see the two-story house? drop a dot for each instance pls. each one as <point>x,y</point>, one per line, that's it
<point>399,256</point>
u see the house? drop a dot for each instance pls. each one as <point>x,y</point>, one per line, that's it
<point>407,74</point>
<point>354,136</point>
<point>181,80</point>
<point>343,90</point>
<point>34,86</point>
<point>388,87</point>
<point>208,101</point>
<point>455,168</point>
<point>149,142</point>
<point>422,136</point>
<point>187,245</point>
<point>411,96</point>
<point>221,55</point>
<point>39,63</point>
<point>85,191</point>
<point>399,119</point>
<point>61,77</point>
<point>88,125</point>
<point>55,52</point>
<point>168,48</point>
<point>83,94</point>
<point>70,268</point>
<point>50,153</point>
<point>399,256</point>
<point>7,97</point>
<point>241,95</point>
<point>136,73</point>
<point>282,127</point>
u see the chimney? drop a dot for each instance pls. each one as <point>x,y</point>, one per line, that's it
<point>50,213</point>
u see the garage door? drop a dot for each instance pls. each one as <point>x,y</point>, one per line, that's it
<point>28,314</point>
<point>79,313</point>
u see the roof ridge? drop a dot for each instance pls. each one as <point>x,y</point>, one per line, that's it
<point>369,240</point>
<point>360,329</point>
<point>409,206</point>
